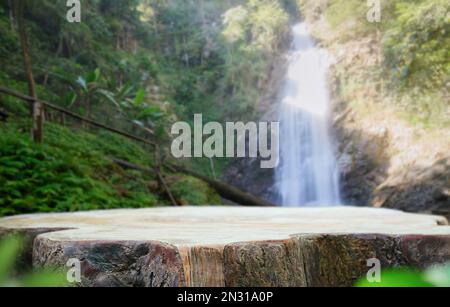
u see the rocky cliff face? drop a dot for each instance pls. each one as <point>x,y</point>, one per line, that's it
<point>385,160</point>
<point>246,173</point>
<point>386,163</point>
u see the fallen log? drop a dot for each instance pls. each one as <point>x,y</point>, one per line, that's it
<point>227,191</point>
<point>131,166</point>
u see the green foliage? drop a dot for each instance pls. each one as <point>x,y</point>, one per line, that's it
<point>8,38</point>
<point>414,37</point>
<point>438,276</point>
<point>253,34</point>
<point>349,17</point>
<point>70,172</point>
<point>417,57</point>
<point>148,62</point>
<point>417,43</point>
<point>191,191</point>
<point>10,249</point>
<point>398,278</point>
<point>342,14</point>
<point>136,65</point>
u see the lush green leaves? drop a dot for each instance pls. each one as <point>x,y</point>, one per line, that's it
<point>71,172</point>
<point>414,36</point>
<point>417,57</point>
<point>398,278</point>
<point>140,96</point>
<point>437,276</point>
<point>10,249</point>
<point>137,65</point>
<point>189,190</point>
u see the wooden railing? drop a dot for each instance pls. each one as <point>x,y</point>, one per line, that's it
<point>86,120</point>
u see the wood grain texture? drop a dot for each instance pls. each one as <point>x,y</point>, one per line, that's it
<point>229,246</point>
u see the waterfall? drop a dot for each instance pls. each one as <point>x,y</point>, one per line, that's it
<point>307,174</point>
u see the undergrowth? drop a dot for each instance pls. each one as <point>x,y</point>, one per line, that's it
<point>73,171</point>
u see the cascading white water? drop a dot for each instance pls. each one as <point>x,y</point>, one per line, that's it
<point>307,174</point>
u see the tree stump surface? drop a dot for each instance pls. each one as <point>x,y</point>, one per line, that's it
<point>231,246</point>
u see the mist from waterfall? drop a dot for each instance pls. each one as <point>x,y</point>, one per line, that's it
<point>307,174</point>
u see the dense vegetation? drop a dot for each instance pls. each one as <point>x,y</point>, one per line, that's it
<point>141,65</point>
<point>136,65</point>
<point>212,57</point>
<point>73,171</point>
<point>417,54</point>
<point>413,71</point>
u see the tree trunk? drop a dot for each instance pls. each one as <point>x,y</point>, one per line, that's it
<point>227,191</point>
<point>37,110</point>
<point>230,246</point>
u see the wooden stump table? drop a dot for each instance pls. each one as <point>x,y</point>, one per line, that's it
<point>231,246</point>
